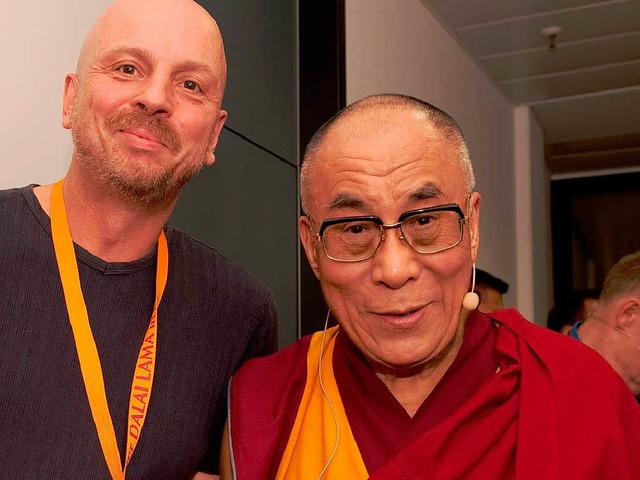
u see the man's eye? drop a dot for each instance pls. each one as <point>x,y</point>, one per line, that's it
<point>191,85</point>
<point>359,228</point>
<point>128,69</point>
<point>424,219</point>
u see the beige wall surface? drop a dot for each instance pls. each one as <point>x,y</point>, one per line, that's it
<point>399,46</point>
<point>39,43</point>
<point>533,227</point>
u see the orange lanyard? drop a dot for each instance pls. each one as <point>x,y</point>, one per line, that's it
<point>86,345</point>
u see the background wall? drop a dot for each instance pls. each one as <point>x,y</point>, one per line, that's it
<point>246,203</point>
<point>39,45</point>
<point>400,47</point>
<point>533,223</point>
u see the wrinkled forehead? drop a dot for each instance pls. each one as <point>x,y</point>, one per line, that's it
<point>179,30</point>
<point>396,161</point>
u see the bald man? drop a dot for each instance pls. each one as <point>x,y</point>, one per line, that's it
<point>414,382</point>
<point>119,333</point>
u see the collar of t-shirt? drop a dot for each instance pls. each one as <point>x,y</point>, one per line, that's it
<point>574,331</point>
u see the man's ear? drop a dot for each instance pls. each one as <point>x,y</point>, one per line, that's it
<point>628,311</point>
<point>222,117</point>
<point>71,87</point>
<point>474,223</point>
<point>307,237</point>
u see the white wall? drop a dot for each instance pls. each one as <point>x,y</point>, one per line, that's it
<point>541,221</point>
<point>533,224</point>
<point>399,46</point>
<point>39,44</point>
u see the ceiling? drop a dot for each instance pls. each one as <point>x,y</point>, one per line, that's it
<point>583,87</point>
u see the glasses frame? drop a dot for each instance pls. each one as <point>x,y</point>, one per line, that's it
<point>447,207</point>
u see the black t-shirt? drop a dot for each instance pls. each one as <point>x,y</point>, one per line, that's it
<point>213,316</point>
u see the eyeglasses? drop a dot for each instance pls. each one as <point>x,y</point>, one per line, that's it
<point>426,230</point>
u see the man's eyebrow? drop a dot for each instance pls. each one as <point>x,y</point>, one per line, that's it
<point>196,65</point>
<point>129,50</point>
<point>427,192</point>
<point>149,56</point>
<point>344,200</point>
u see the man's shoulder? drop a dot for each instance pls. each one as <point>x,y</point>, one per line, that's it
<point>292,358</point>
<point>545,342</point>
<point>567,359</point>
<point>11,195</point>
<point>289,356</point>
<point>268,389</point>
<point>204,262</point>
<point>16,202</point>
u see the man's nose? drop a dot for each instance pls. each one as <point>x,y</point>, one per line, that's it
<point>395,263</point>
<point>156,96</point>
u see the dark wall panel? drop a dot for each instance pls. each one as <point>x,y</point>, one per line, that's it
<point>246,204</point>
<point>261,46</point>
<point>322,94</point>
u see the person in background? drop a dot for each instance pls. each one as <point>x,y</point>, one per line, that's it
<point>414,382</point>
<point>613,329</point>
<point>491,289</point>
<point>572,308</point>
<point>119,333</point>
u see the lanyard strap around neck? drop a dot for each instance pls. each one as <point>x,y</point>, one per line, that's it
<point>86,345</point>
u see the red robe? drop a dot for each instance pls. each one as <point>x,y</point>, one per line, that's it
<point>554,410</point>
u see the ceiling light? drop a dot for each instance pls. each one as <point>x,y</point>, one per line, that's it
<point>551,32</point>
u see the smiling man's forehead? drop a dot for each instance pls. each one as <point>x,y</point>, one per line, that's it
<point>144,23</point>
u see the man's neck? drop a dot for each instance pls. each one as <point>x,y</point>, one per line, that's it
<point>105,226</point>
<point>606,341</point>
<point>412,387</point>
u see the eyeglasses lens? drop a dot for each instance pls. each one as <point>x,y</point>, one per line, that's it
<point>428,232</point>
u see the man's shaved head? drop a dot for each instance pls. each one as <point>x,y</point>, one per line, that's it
<point>144,106</point>
<point>164,16</point>
<point>375,108</point>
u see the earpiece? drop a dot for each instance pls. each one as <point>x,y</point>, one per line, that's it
<point>471,300</point>
<point>328,399</point>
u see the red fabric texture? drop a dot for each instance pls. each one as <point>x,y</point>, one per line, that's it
<point>380,425</point>
<point>568,414</point>
<point>263,402</point>
<point>555,411</point>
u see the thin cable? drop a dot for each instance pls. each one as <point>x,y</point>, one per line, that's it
<point>264,149</point>
<point>473,277</point>
<point>326,396</point>
<point>633,339</point>
<point>617,328</point>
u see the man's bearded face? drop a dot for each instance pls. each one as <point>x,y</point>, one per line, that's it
<point>113,162</point>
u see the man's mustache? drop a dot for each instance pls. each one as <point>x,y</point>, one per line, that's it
<point>156,125</point>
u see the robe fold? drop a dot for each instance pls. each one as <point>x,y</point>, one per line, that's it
<point>518,402</point>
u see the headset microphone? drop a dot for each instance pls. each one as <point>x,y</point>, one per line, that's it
<point>471,300</point>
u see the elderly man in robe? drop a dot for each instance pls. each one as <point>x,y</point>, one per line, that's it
<point>414,382</point>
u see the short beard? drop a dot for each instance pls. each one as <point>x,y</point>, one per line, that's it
<point>109,165</point>
<point>151,193</point>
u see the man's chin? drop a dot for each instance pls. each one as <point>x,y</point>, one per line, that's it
<point>144,191</point>
<point>151,189</point>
